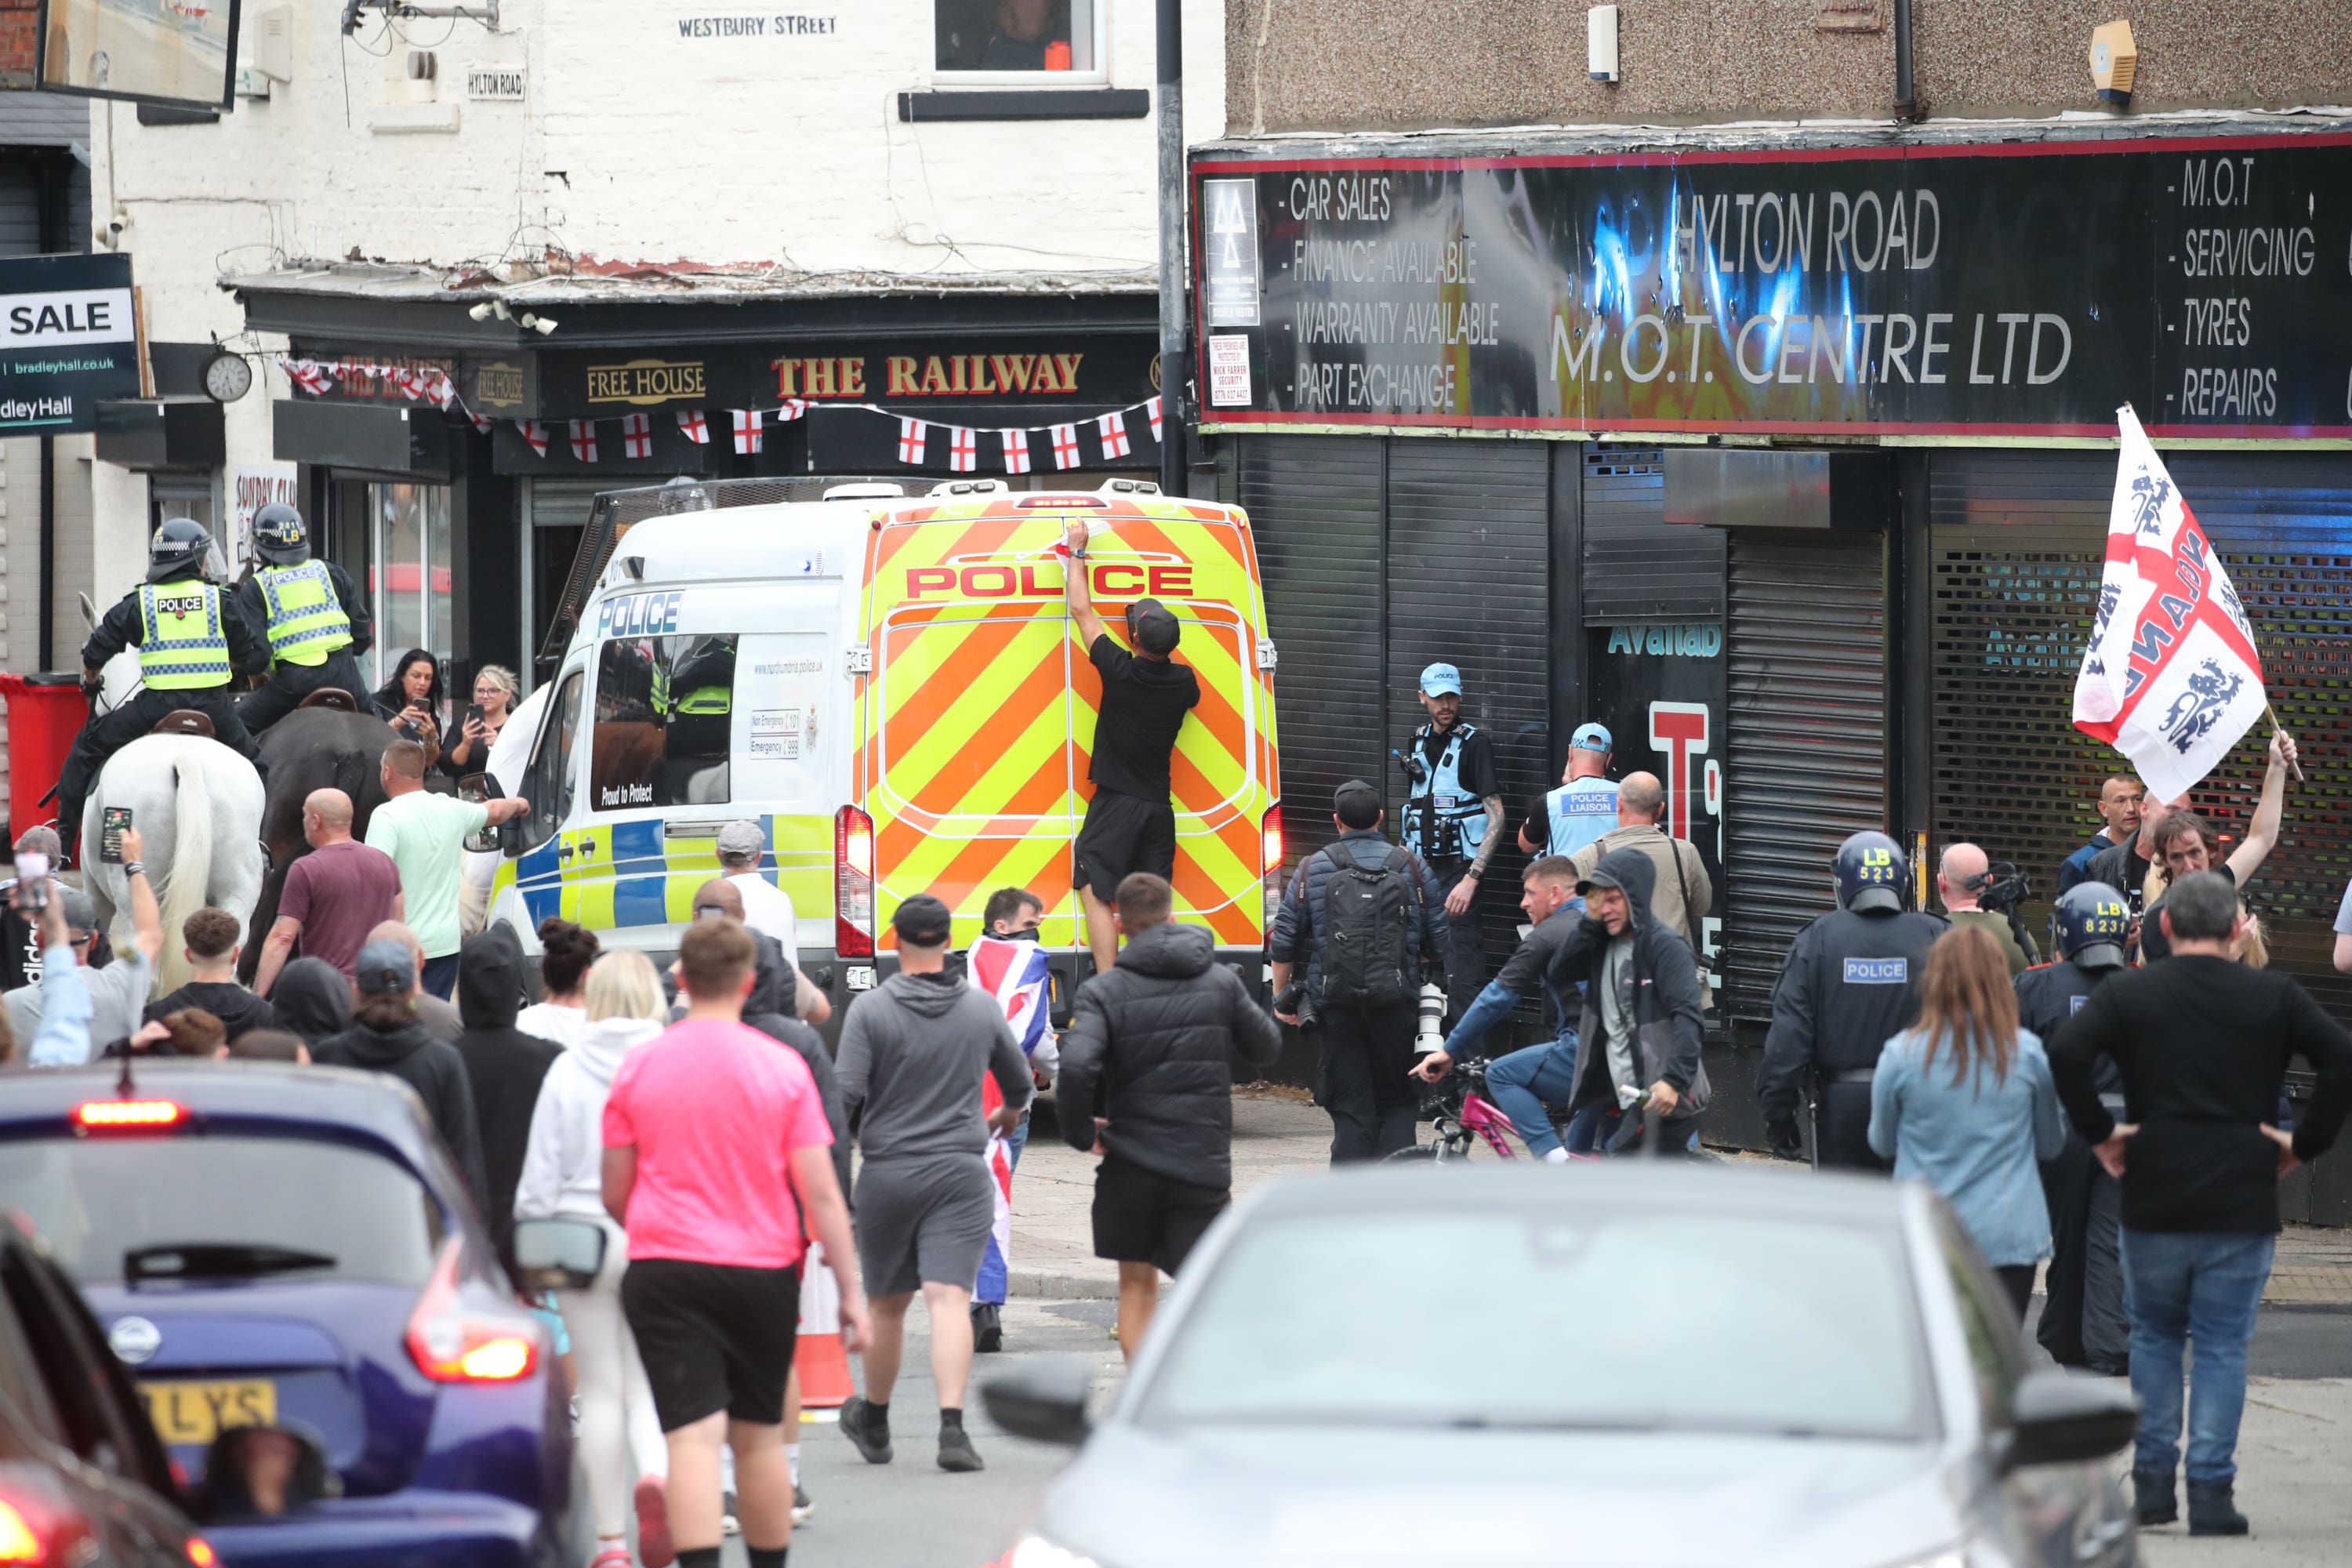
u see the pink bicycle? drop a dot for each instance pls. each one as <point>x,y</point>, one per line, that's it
<point>1465,1117</point>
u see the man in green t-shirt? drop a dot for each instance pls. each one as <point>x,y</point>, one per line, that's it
<point>425,834</point>
<point>1962,877</point>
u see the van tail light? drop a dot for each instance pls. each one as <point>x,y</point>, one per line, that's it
<point>852,883</point>
<point>38,1523</point>
<point>451,1344</point>
<point>128,1116</point>
<point>1269,832</point>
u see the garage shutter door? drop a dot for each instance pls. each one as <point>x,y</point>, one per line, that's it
<point>1806,764</point>
<point>1469,584</point>
<point>1315,507</point>
<point>1636,566</point>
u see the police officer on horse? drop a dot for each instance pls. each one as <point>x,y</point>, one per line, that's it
<point>192,642</point>
<point>315,620</point>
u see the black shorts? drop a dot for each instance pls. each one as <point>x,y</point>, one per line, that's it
<point>1142,1217</point>
<point>1123,834</point>
<point>713,1337</point>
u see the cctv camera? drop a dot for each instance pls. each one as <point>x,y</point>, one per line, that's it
<point>538,324</point>
<point>480,312</point>
<point>499,309</point>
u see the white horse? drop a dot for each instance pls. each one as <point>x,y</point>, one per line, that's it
<point>197,807</point>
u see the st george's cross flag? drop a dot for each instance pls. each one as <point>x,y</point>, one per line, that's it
<point>2170,678</point>
<point>1017,451</point>
<point>584,440</point>
<point>694,426</point>
<point>638,436</point>
<point>1014,974</point>
<point>748,437</point>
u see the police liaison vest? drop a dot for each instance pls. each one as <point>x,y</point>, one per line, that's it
<point>1444,823</point>
<point>1581,811</point>
<point>306,620</point>
<point>181,645</point>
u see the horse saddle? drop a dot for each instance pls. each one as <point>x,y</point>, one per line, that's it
<point>330,697</point>
<point>186,721</point>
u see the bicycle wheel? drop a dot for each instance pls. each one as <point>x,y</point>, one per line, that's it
<point>1419,1154</point>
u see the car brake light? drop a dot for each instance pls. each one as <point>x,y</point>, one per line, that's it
<point>17,1542</point>
<point>200,1553</point>
<point>37,1523</point>
<point>115,1115</point>
<point>450,1344</point>
<point>852,883</point>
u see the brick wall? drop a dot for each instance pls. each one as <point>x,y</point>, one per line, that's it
<point>19,31</point>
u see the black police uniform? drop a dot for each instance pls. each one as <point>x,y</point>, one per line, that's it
<point>2082,1321</point>
<point>288,682</point>
<point>1852,984</point>
<point>249,653</point>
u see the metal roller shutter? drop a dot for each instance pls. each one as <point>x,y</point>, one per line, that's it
<point>1806,759</point>
<point>1314,504</point>
<point>1636,566</point>
<point>1469,584</point>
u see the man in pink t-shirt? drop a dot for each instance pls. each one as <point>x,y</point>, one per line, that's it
<point>716,1148</point>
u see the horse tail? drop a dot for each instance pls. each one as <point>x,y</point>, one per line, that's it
<point>192,861</point>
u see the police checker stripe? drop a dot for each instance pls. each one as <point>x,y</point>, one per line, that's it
<point>627,874</point>
<point>972,757</point>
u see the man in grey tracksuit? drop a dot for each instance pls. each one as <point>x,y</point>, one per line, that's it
<point>912,1056</point>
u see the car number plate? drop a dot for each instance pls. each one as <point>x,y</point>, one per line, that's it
<point>200,1412</point>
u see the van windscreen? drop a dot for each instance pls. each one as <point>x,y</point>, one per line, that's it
<point>664,714</point>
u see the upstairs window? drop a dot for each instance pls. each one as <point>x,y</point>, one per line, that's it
<point>1044,42</point>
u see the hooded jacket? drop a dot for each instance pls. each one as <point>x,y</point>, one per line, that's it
<point>912,1055</point>
<point>563,1157</point>
<point>312,998</point>
<point>1150,1048</point>
<point>504,1066</point>
<point>1662,979</point>
<point>769,1009</point>
<point>239,1009</point>
<point>433,1068</point>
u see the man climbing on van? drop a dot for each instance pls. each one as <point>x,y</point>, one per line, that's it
<point>1130,824</point>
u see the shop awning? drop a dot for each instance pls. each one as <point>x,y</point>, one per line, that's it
<point>398,443</point>
<point>150,433</point>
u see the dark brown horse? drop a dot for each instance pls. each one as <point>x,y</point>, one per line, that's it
<point>311,749</point>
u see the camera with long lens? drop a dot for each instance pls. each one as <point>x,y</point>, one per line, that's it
<point>2000,889</point>
<point>1431,1034</point>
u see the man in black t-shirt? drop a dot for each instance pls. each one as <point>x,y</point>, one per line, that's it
<point>1130,825</point>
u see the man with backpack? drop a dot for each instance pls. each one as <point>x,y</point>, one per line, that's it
<point>1365,917</point>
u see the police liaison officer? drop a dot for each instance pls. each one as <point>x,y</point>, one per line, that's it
<point>312,614</point>
<point>2084,1322</point>
<point>1584,808</point>
<point>1454,821</point>
<point>1852,984</point>
<point>192,641</point>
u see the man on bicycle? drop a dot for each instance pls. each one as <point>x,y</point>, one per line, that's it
<point>1521,1081</point>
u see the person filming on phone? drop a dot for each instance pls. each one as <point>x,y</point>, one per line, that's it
<point>115,993</point>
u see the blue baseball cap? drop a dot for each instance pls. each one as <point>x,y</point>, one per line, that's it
<point>1439,680</point>
<point>1592,738</point>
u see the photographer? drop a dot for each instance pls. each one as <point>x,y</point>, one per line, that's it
<point>1962,881</point>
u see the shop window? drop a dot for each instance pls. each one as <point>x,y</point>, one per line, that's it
<point>665,716</point>
<point>549,784</point>
<point>183,494</point>
<point>408,573</point>
<point>1057,40</point>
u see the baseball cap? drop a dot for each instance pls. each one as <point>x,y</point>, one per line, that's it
<point>923,920</point>
<point>82,911</point>
<point>41,840</point>
<point>1439,680</point>
<point>1366,799</point>
<point>742,840</point>
<point>1592,738</point>
<point>1153,626</point>
<point>384,967</point>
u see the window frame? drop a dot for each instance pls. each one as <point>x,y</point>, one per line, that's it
<point>670,664</point>
<point>1098,77</point>
<point>553,806</point>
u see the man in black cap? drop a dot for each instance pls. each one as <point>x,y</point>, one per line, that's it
<point>913,1052</point>
<point>1130,825</point>
<point>386,1037</point>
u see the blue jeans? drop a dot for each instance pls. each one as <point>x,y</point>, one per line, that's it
<point>1523,1080</point>
<point>1016,1141</point>
<point>440,976</point>
<point>2204,1287</point>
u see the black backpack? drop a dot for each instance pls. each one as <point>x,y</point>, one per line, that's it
<point>1368,958</point>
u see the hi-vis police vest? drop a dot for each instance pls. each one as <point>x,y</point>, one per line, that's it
<point>1442,822</point>
<point>1581,810</point>
<point>182,646</point>
<point>306,620</point>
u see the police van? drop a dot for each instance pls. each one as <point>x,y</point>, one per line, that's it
<point>890,685</point>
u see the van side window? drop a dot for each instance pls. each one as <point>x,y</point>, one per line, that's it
<point>550,783</point>
<point>665,718</point>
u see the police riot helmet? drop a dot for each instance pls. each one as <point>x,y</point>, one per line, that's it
<point>1871,872</point>
<point>280,535</point>
<point>2093,921</point>
<point>179,545</point>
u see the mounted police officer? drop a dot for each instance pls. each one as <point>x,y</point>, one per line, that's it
<point>192,641</point>
<point>1454,821</point>
<point>1851,982</point>
<point>2084,1324</point>
<point>316,622</point>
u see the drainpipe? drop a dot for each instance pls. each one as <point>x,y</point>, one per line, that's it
<point>1902,93</point>
<point>1171,246</point>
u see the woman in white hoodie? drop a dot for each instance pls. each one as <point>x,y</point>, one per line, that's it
<point>562,1173</point>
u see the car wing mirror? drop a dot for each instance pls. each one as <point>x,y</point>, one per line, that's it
<point>478,788</point>
<point>558,1253</point>
<point>2061,1417</point>
<point>1044,1401</point>
<point>254,1474</point>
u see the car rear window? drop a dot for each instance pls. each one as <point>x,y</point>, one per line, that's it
<point>97,1199</point>
<point>1648,1320</point>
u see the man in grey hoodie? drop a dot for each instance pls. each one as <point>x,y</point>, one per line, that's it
<point>913,1053</point>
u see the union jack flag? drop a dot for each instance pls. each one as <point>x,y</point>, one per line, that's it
<point>637,435</point>
<point>696,429</point>
<point>583,439</point>
<point>746,430</point>
<point>1113,428</point>
<point>1014,974</point>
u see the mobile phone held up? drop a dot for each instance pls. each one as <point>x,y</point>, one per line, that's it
<point>32,882</point>
<point>473,714</point>
<point>110,834</point>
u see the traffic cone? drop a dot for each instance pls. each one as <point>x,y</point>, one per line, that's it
<point>817,1354</point>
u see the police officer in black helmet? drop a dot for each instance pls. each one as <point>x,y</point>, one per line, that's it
<point>2082,1323</point>
<point>316,622</point>
<point>1851,984</point>
<point>192,641</point>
